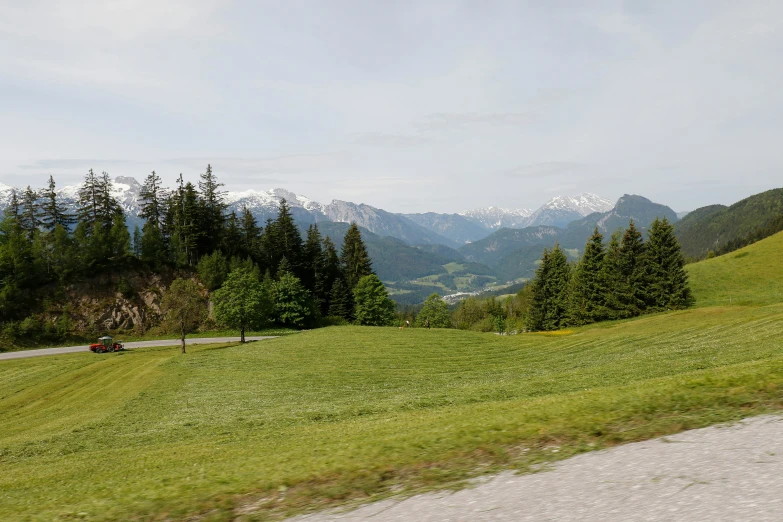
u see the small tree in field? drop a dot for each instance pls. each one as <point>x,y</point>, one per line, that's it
<point>373,306</point>
<point>436,311</point>
<point>241,302</point>
<point>183,307</point>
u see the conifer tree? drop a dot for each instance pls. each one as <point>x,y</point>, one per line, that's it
<point>355,259</point>
<point>108,207</point>
<point>285,241</point>
<point>340,298</point>
<point>668,280</point>
<point>53,212</point>
<point>538,297</point>
<point>232,237</point>
<point>330,271</point>
<point>119,237</point>
<point>251,235</point>
<point>619,296</point>
<point>633,270</point>
<point>152,198</point>
<point>89,199</point>
<point>588,291</point>
<point>549,300</point>
<point>136,241</point>
<point>28,216</point>
<point>13,209</point>
<point>212,210</point>
<point>312,252</point>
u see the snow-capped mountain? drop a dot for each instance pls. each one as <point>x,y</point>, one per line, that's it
<point>451,230</point>
<point>493,218</point>
<point>561,210</point>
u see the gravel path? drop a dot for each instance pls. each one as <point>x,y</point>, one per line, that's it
<point>717,474</point>
<point>137,344</point>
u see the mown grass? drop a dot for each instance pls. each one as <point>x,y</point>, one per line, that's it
<point>750,276</point>
<point>275,427</point>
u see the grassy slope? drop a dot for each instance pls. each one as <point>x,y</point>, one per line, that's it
<point>350,412</point>
<point>750,276</point>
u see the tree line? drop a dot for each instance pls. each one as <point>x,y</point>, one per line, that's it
<point>626,278</point>
<point>303,279</point>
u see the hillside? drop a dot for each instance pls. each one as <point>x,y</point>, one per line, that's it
<point>710,228</point>
<point>454,227</point>
<point>750,276</point>
<point>325,416</point>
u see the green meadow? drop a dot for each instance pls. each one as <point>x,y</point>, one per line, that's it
<point>346,414</point>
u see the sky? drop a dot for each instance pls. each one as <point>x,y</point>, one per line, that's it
<point>410,106</point>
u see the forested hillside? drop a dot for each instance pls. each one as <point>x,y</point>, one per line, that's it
<point>64,274</point>
<point>720,229</point>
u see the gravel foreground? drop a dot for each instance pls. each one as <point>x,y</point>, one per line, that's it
<point>729,473</point>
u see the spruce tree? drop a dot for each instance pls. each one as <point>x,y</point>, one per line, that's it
<point>355,259</point>
<point>340,300</point>
<point>232,237</point>
<point>588,292</point>
<point>619,294</point>
<point>152,198</point>
<point>28,216</point>
<point>89,201</point>
<point>538,298</point>
<point>330,271</point>
<point>633,270</point>
<point>285,239</point>
<point>53,212</point>
<point>555,313</point>
<point>212,210</point>
<point>313,266</point>
<point>108,207</point>
<point>668,280</point>
<point>251,235</point>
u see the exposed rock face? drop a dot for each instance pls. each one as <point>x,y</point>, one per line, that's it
<point>118,301</point>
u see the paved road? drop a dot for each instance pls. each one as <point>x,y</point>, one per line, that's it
<point>138,344</point>
<point>716,474</point>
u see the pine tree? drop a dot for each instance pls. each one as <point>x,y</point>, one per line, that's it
<point>136,241</point>
<point>538,298</point>
<point>355,259</point>
<point>212,210</point>
<point>108,207</point>
<point>340,299</point>
<point>619,295</point>
<point>588,293</point>
<point>549,301</point>
<point>285,241</point>
<point>28,216</point>
<point>52,212</point>
<point>152,198</point>
<point>251,235</point>
<point>633,270</point>
<point>89,201</point>
<point>232,242</point>
<point>668,280</point>
<point>13,210</point>
<point>312,259</point>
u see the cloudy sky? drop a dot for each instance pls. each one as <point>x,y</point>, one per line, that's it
<point>405,105</point>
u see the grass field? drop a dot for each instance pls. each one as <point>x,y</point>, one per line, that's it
<point>326,416</point>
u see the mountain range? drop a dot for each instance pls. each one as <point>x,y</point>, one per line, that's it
<point>452,230</point>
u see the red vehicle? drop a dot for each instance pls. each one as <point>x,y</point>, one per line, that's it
<point>106,344</point>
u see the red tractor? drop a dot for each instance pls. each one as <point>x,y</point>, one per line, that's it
<point>106,344</point>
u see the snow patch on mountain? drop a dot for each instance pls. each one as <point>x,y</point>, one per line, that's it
<point>493,218</point>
